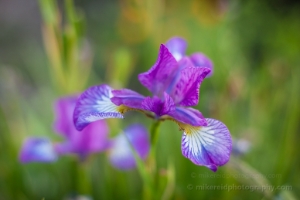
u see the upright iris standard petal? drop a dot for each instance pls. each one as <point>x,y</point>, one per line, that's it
<point>37,150</point>
<point>177,47</point>
<point>186,89</point>
<point>94,138</point>
<point>121,155</point>
<point>160,76</point>
<point>95,104</point>
<point>209,146</point>
<point>64,108</point>
<point>200,60</point>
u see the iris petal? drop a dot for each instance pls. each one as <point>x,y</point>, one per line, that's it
<point>200,60</point>
<point>121,155</point>
<point>177,47</point>
<point>186,116</point>
<point>64,108</point>
<point>95,104</point>
<point>160,76</point>
<point>209,146</point>
<point>128,98</point>
<point>93,139</point>
<point>158,106</point>
<point>186,90</point>
<point>37,150</point>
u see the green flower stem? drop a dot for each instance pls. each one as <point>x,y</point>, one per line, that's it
<point>80,179</point>
<point>142,171</point>
<point>151,162</point>
<point>170,187</point>
<point>52,41</point>
<point>148,173</point>
<point>154,132</point>
<point>153,139</point>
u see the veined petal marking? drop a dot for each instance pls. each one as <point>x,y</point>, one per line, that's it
<point>209,146</point>
<point>95,104</point>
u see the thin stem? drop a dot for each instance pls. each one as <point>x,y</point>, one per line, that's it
<point>169,189</point>
<point>151,162</point>
<point>141,169</point>
<point>154,133</point>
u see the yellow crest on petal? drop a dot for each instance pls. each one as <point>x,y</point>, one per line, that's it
<point>123,109</point>
<point>187,128</point>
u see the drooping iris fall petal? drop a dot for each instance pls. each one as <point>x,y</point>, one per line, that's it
<point>209,145</point>
<point>95,104</point>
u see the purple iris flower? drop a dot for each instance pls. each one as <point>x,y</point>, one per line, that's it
<point>93,139</point>
<point>175,85</point>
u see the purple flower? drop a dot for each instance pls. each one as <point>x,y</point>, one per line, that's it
<point>37,150</point>
<point>175,87</point>
<point>93,139</point>
<point>177,47</point>
<point>120,153</point>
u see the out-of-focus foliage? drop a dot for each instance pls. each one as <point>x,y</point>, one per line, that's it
<point>254,90</point>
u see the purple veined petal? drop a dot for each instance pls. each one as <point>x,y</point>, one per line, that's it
<point>158,106</point>
<point>127,97</point>
<point>64,108</point>
<point>209,146</point>
<point>95,104</point>
<point>159,77</point>
<point>121,155</point>
<point>37,150</point>
<point>184,62</point>
<point>186,89</point>
<point>152,104</point>
<point>177,47</point>
<point>200,60</point>
<point>186,117</point>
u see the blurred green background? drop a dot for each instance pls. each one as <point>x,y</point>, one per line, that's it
<point>255,48</point>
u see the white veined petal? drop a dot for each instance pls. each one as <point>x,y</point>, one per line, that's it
<point>209,145</point>
<point>95,104</point>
